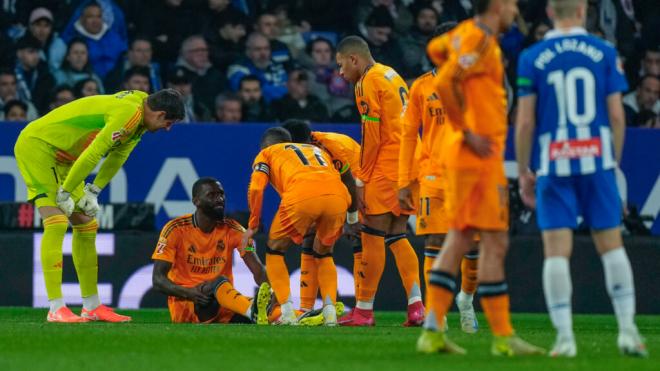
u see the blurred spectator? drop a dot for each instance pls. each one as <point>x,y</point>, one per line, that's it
<point>377,31</point>
<point>33,80</point>
<point>267,25</point>
<point>228,108</point>
<point>537,32</point>
<point>255,107</point>
<point>226,38</point>
<point>272,75</point>
<point>648,119</point>
<point>456,10</point>
<point>76,66</point>
<point>62,94</point>
<point>208,81</point>
<point>15,111</point>
<point>644,98</point>
<point>651,62</point>
<point>167,24</point>
<point>181,80</point>
<point>298,103</point>
<point>104,42</point>
<point>139,55</point>
<point>86,88</point>
<point>52,46</point>
<point>290,33</point>
<point>208,11</point>
<point>413,44</point>
<point>325,81</point>
<point>401,17</point>
<point>8,92</point>
<point>137,78</point>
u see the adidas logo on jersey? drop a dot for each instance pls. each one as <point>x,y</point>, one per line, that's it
<point>192,249</point>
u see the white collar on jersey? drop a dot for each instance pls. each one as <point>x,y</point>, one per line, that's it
<point>565,32</point>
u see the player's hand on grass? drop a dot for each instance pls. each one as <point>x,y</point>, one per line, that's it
<point>479,144</point>
<point>405,199</point>
<point>89,203</point>
<point>527,183</point>
<point>65,202</point>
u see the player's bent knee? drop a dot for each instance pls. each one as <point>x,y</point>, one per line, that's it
<point>392,238</point>
<point>279,245</point>
<point>56,224</point>
<point>607,239</point>
<point>373,231</point>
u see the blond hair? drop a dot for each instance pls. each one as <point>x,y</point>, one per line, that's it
<point>565,8</point>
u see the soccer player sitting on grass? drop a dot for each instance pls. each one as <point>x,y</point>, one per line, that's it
<point>56,153</point>
<point>193,264</point>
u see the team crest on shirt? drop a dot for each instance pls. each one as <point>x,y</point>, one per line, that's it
<point>467,60</point>
<point>220,247</point>
<point>162,244</point>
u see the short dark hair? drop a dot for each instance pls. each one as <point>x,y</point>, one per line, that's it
<point>481,6</point>
<point>275,135</point>
<point>7,71</point>
<point>78,86</point>
<point>645,77</point>
<point>310,45</point>
<point>137,70</point>
<point>248,78</point>
<point>168,100</point>
<point>353,44</point>
<point>12,103</point>
<point>140,38</point>
<point>443,28</point>
<point>300,130</point>
<point>199,183</point>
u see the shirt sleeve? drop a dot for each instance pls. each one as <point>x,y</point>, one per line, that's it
<point>412,120</point>
<point>168,242</point>
<point>258,183</point>
<point>370,113</point>
<point>526,79</point>
<point>120,124</point>
<point>616,80</point>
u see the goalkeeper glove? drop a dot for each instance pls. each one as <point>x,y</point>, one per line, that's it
<point>89,203</point>
<point>64,201</point>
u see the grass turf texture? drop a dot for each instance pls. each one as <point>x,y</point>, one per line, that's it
<point>150,342</point>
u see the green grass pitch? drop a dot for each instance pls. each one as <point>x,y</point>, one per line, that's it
<point>150,342</point>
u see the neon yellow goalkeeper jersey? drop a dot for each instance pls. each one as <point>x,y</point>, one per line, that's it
<point>85,130</point>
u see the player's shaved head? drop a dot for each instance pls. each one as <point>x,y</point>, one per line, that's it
<point>562,9</point>
<point>201,182</point>
<point>274,136</point>
<point>354,45</point>
<point>299,130</point>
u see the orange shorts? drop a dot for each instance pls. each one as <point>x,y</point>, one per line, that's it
<point>477,198</point>
<point>431,213</point>
<point>183,311</point>
<point>381,196</point>
<point>327,213</point>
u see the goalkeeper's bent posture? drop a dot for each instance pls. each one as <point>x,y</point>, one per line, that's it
<point>56,153</point>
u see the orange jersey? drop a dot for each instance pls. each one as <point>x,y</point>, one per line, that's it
<point>470,82</point>
<point>424,111</point>
<point>380,96</point>
<point>343,150</point>
<point>297,172</point>
<point>197,256</point>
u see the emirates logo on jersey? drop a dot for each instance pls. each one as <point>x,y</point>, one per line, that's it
<point>570,149</point>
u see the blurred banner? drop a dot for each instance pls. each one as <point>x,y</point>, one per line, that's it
<point>163,167</point>
<point>125,269</point>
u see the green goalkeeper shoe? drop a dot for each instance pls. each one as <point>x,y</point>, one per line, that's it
<point>510,346</point>
<point>263,300</point>
<point>431,342</point>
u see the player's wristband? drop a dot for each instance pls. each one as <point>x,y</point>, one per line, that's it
<point>251,246</point>
<point>352,217</point>
<point>359,183</point>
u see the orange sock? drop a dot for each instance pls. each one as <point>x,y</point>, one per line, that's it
<point>231,299</point>
<point>274,314</point>
<point>371,269</point>
<point>430,253</point>
<point>439,296</point>
<point>407,264</point>
<point>309,283</point>
<point>469,274</point>
<point>327,278</point>
<point>278,275</point>
<point>357,262</point>
<point>495,302</point>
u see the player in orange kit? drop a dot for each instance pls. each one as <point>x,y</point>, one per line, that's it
<point>425,111</point>
<point>193,264</point>
<point>470,86</point>
<point>312,194</point>
<point>344,153</point>
<point>380,95</point>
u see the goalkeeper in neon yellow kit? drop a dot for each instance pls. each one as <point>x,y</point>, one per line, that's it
<point>56,153</point>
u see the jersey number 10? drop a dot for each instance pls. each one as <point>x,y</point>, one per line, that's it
<point>566,91</point>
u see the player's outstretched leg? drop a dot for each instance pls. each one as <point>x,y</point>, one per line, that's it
<point>465,298</point>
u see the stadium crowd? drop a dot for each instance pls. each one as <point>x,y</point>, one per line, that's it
<point>262,61</point>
